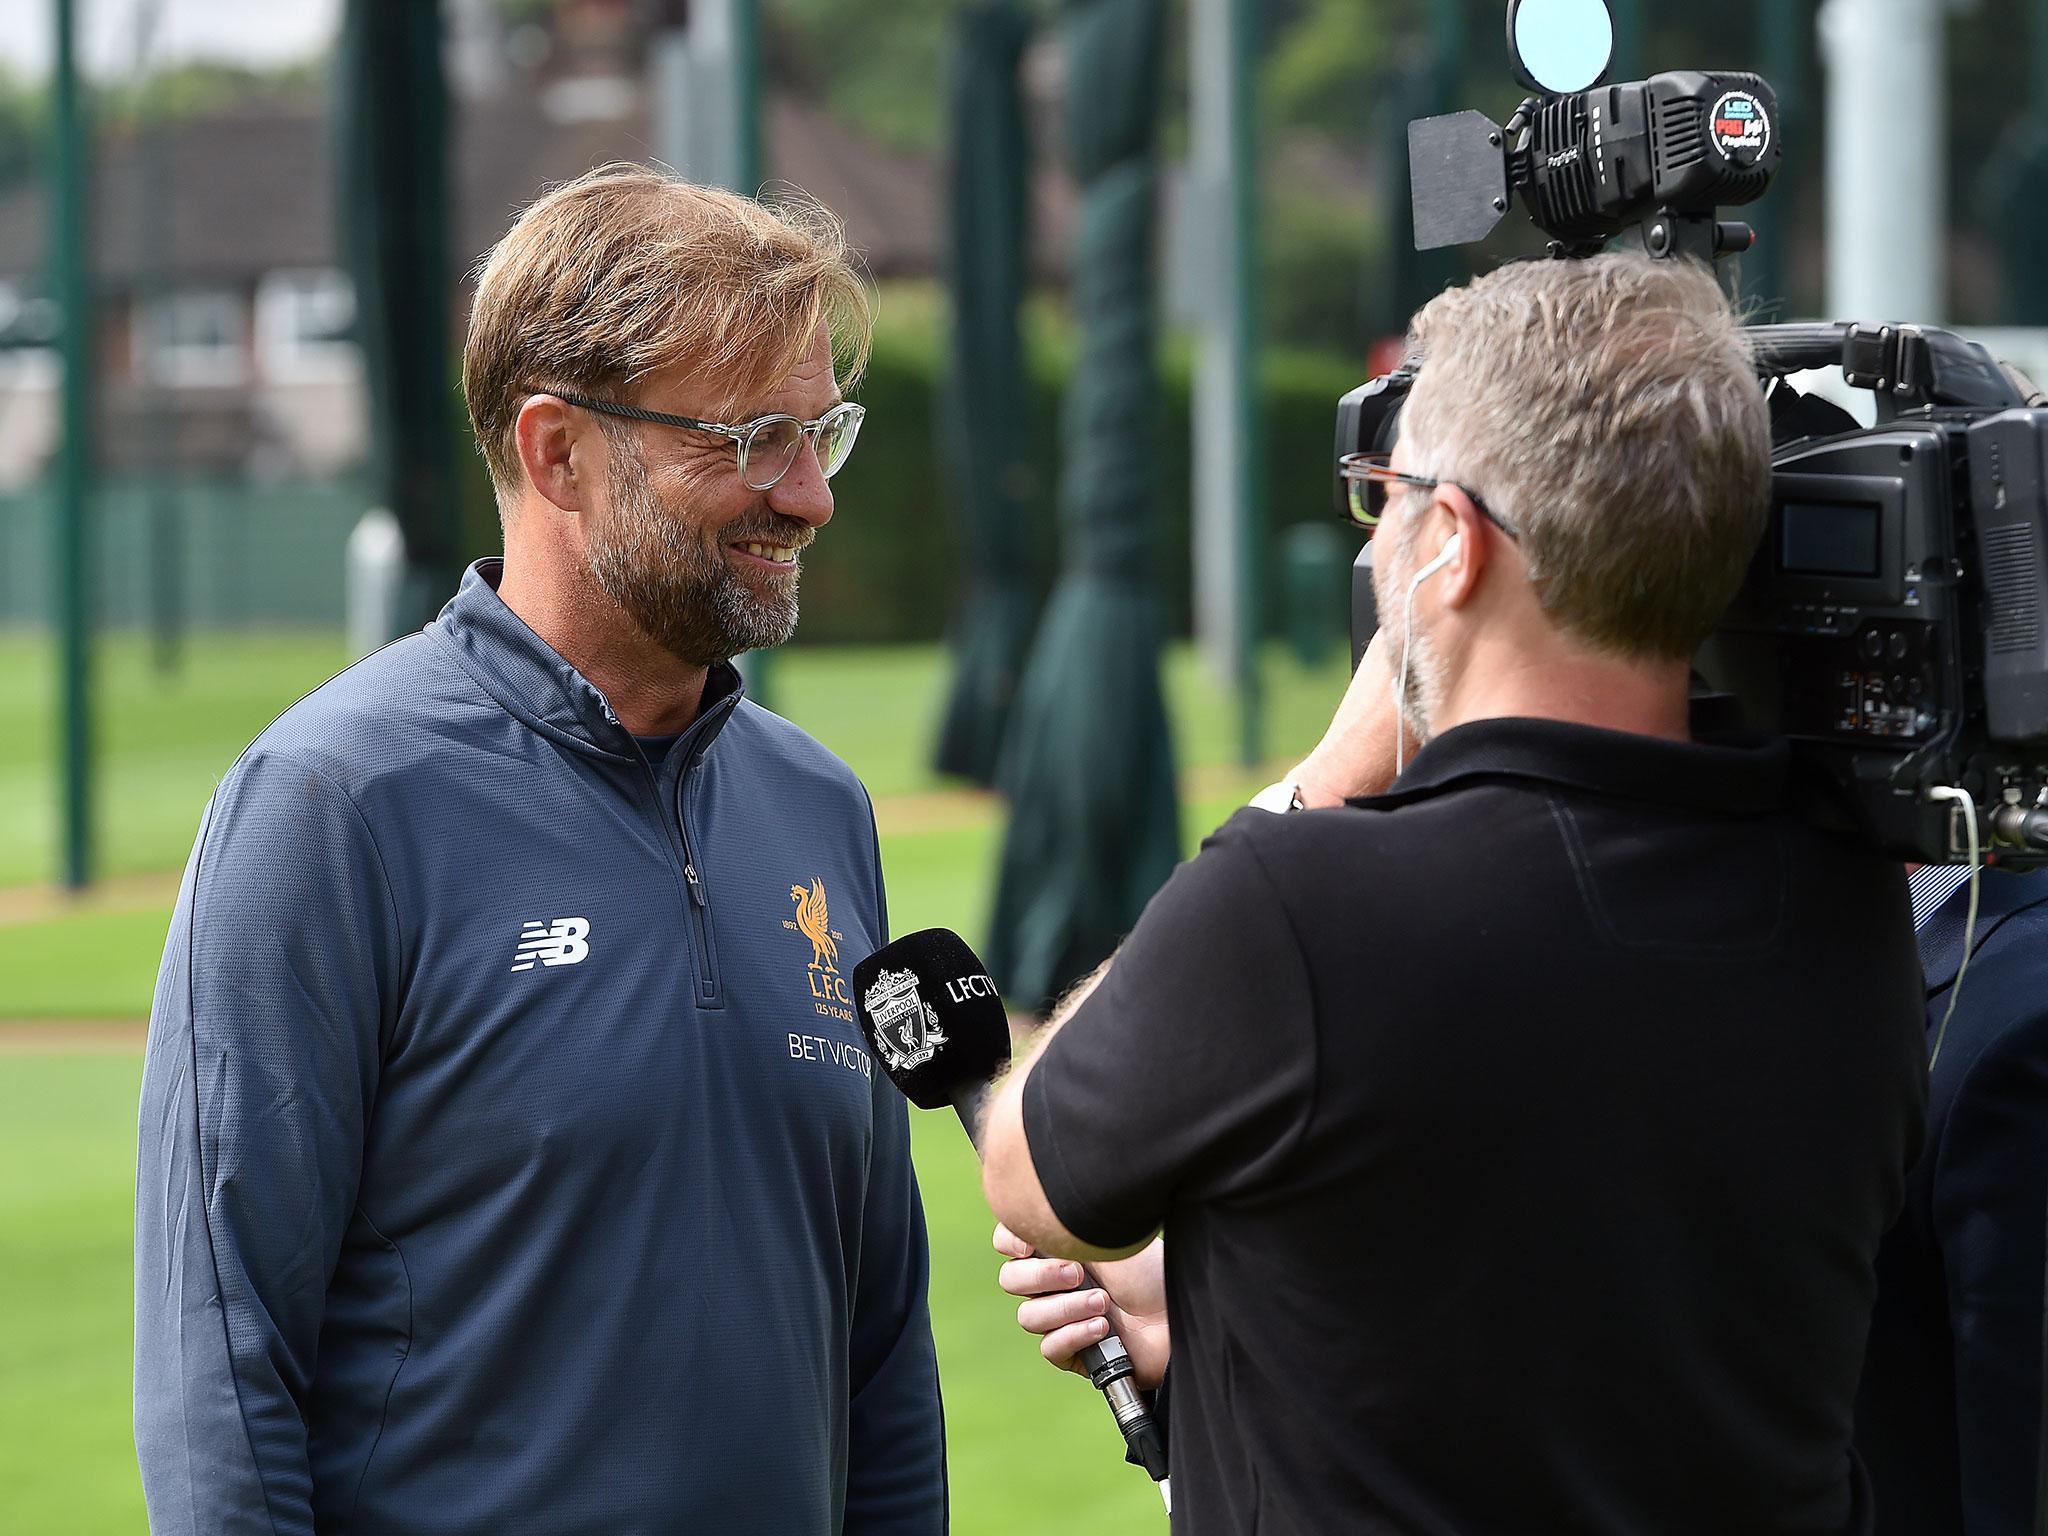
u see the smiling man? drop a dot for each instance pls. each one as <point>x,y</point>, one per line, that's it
<point>509,1158</point>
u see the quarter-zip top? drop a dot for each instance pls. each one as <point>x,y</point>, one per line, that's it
<point>510,1157</point>
<point>669,785</point>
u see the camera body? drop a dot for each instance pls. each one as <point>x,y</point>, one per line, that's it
<point>1894,620</point>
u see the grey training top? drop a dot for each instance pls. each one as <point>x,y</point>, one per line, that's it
<point>510,1161</point>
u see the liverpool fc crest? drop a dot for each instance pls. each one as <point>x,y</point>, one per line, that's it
<point>906,1026</point>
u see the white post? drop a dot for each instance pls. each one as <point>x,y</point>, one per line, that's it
<point>1887,192</point>
<point>374,576</point>
<point>1219,448</point>
<point>696,109</point>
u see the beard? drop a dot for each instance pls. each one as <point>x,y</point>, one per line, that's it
<point>1419,685</point>
<point>672,578</point>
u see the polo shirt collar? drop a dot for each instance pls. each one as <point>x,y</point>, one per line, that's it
<point>2002,894</point>
<point>535,683</point>
<point>1733,776</point>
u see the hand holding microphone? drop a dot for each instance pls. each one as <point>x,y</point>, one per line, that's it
<point>1056,1303</point>
<point>936,1024</point>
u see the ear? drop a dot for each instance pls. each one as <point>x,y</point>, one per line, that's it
<point>1458,517</point>
<point>556,450</point>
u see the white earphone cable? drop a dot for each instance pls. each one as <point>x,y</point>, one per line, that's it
<point>1407,635</point>
<point>1968,802</point>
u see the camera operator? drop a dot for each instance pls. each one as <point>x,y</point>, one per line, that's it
<point>1522,1131</point>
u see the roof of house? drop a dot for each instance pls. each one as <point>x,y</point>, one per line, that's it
<point>254,190</point>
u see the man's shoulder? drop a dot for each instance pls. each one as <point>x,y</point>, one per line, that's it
<point>383,715</point>
<point>1290,844</point>
<point>798,760</point>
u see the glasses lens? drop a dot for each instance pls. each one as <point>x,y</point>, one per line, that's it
<point>1366,494</point>
<point>1368,497</point>
<point>835,437</point>
<point>769,451</point>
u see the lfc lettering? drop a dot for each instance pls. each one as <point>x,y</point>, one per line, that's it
<point>970,986</point>
<point>831,996</point>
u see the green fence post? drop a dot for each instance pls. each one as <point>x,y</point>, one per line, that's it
<point>1785,36</point>
<point>161,502</point>
<point>1631,37</point>
<point>748,172</point>
<point>71,546</point>
<point>1244,368</point>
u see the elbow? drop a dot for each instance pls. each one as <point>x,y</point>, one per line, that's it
<point>998,1180</point>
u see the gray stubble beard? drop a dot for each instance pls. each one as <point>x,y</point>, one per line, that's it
<point>675,583</point>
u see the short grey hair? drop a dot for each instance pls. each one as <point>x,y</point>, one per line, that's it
<point>1609,410</point>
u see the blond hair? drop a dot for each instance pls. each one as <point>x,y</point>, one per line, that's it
<point>1609,409</point>
<point>627,271</point>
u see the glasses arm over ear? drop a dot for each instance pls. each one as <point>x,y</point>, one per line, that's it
<point>639,413</point>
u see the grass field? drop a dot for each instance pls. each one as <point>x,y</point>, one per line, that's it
<point>1030,1450</point>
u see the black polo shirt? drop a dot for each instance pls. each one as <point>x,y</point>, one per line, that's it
<point>1522,1138</point>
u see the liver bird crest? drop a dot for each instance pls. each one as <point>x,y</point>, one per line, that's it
<point>812,922</point>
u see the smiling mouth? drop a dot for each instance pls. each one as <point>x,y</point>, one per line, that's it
<point>778,556</point>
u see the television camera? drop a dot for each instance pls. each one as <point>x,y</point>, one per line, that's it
<point>1894,621</point>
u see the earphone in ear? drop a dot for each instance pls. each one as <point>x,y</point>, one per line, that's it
<point>1443,558</point>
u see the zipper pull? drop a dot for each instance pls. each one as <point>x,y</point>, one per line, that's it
<point>696,885</point>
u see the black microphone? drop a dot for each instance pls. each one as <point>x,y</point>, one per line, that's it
<point>935,1021</point>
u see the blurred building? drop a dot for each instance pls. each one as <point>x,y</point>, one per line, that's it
<point>224,319</point>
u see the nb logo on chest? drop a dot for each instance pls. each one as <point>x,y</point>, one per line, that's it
<point>559,941</point>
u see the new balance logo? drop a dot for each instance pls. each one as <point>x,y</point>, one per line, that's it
<point>560,942</point>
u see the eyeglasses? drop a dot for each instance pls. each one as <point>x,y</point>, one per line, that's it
<point>1370,474</point>
<point>768,445</point>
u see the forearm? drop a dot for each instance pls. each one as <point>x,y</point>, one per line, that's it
<point>263,1061</point>
<point>1360,750</point>
<point>219,1440</point>
<point>1009,1177</point>
<point>896,1445</point>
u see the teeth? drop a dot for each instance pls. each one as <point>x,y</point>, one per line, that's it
<point>783,553</point>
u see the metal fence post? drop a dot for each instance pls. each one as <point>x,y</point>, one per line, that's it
<point>71,276</point>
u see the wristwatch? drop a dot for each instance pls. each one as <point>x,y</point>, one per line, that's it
<point>1279,798</point>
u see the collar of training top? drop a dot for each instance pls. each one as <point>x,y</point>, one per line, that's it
<point>1729,777</point>
<point>532,681</point>
<point>2001,894</point>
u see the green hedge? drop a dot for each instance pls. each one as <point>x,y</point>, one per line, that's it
<point>884,570</point>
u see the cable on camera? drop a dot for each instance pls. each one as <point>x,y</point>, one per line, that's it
<point>1962,797</point>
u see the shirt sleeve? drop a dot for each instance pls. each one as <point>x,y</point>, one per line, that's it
<point>1990,1193</point>
<point>896,1431</point>
<point>1187,1074</point>
<point>261,1066</point>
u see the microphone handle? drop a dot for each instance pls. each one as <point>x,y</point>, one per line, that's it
<point>1108,1363</point>
<point>1109,1366</point>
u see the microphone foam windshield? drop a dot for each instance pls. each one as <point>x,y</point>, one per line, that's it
<point>932,1016</point>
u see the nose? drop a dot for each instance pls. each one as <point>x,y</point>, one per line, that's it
<point>803,492</point>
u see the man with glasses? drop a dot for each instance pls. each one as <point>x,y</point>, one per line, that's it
<point>1522,1127</point>
<point>510,1157</point>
